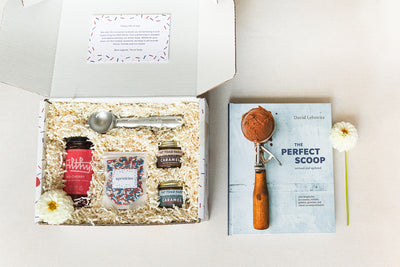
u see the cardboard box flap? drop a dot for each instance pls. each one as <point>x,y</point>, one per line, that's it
<point>217,54</point>
<point>28,38</point>
<point>201,50</point>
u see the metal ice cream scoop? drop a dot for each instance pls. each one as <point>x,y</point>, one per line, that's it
<point>104,121</point>
<point>260,193</point>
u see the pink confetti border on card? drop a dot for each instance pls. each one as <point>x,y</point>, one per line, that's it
<point>99,57</point>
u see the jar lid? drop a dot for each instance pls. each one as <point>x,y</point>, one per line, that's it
<point>169,143</point>
<point>171,183</point>
<point>80,139</point>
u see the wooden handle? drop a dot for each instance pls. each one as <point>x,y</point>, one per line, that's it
<point>260,202</point>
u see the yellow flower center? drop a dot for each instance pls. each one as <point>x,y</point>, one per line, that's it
<point>52,205</point>
<point>344,131</point>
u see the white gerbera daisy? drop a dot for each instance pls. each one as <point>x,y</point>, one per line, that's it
<point>344,136</point>
<point>55,207</point>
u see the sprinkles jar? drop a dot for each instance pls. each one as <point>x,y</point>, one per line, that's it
<point>169,155</point>
<point>171,194</point>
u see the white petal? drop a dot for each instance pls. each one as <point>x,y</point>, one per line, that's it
<point>343,136</point>
<point>63,211</point>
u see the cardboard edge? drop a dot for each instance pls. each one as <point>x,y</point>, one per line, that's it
<point>39,157</point>
<point>203,156</point>
<point>156,99</point>
<point>28,3</point>
<point>234,75</point>
<point>128,224</point>
<point>229,231</point>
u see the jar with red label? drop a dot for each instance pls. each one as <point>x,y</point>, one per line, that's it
<point>78,169</point>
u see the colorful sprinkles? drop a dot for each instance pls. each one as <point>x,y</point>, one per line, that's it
<point>125,196</point>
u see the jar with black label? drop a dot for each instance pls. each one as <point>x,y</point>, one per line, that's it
<point>171,194</point>
<point>169,155</point>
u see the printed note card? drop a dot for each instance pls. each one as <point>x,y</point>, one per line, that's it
<point>129,39</point>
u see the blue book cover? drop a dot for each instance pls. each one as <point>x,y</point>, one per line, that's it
<point>301,190</point>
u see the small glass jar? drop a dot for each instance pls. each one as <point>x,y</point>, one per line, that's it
<point>78,169</point>
<point>169,155</point>
<point>171,194</point>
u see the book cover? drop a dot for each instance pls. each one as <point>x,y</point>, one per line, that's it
<point>301,190</point>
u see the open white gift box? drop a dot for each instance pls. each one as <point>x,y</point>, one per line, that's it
<point>44,49</point>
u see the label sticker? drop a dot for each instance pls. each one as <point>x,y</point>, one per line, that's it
<point>78,171</point>
<point>125,178</point>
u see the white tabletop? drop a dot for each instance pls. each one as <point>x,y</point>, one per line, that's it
<point>343,52</point>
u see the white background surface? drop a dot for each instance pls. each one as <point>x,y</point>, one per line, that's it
<point>343,52</point>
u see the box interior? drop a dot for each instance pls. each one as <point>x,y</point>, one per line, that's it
<point>66,118</point>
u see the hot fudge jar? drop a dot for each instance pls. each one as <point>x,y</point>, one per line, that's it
<point>169,155</point>
<point>78,169</point>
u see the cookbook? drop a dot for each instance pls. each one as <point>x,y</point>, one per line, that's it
<point>301,190</point>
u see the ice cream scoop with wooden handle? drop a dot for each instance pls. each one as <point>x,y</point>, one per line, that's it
<point>258,125</point>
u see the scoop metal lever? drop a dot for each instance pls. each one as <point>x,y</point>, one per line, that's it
<point>270,156</point>
<point>260,158</point>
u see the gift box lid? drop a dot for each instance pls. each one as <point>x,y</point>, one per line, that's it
<point>44,48</point>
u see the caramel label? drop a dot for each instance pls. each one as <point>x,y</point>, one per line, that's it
<point>169,197</point>
<point>169,158</point>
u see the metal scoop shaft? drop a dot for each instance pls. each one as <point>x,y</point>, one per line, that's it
<point>103,122</point>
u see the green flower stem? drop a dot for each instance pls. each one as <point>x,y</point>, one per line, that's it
<point>347,190</point>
